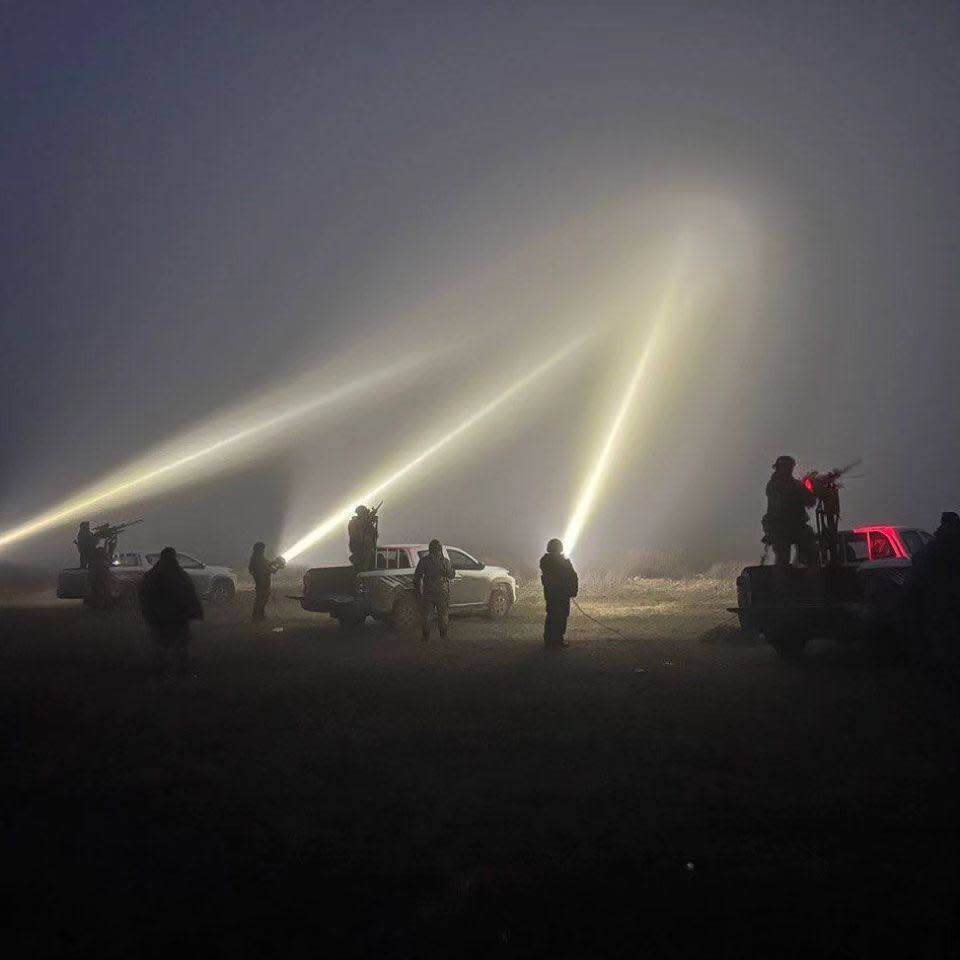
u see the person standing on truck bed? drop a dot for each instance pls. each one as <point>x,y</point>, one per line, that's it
<point>786,523</point>
<point>362,531</point>
<point>560,584</point>
<point>169,601</point>
<point>86,543</point>
<point>431,583</point>
<point>262,570</point>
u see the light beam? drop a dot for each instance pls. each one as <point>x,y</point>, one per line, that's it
<point>601,467</point>
<point>181,460</point>
<point>339,517</point>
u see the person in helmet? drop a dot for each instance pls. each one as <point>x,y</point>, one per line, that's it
<point>560,584</point>
<point>431,582</point>
<point>362,533</point>
<point>786,523</point>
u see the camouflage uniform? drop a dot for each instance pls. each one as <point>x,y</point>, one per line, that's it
<point>785,522</point>
<point>86,543</point>
<point>362,532</point>
<point>431,581</point>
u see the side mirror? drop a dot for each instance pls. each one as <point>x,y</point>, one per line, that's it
<point>480,565</point>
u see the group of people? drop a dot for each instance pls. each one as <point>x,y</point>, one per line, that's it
<point>169,600</point>
<point>431,584</point>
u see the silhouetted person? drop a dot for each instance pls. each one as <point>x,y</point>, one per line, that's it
<point>934,589</point>
<point>169,601</point>
<point>431,582</point>
<point>262,570</point>
<point>102,594</point>
<point>786,523</point>
<point>86,543</point>
<point>362,532</point>
<point>560,584</point>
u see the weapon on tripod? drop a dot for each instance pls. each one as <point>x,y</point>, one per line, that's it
<point>108,533</point>
<point>826,488</point>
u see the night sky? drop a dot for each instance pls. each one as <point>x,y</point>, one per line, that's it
<point>205,200</point>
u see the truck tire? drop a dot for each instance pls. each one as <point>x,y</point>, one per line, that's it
<point>789,644</point>
<point>499,604</point>
<point>785,636</point>
<point>349,618</point>
<point>406,614</point>
<point>222,591</point>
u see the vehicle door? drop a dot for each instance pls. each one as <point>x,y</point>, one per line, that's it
<point>472,584</point>
<point>128,566</point>
<point>197,572</point>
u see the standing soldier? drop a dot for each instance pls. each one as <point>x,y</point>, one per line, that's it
<point>560,584</point>
<point>262,569</point>
<point>786,523</point>
<point>362,531</point>
<point>431,583</point>
<point>103,592</point>
<point>169,601</point>
<point>86,543</point>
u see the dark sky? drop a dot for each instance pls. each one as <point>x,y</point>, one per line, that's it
<point>203,199</point>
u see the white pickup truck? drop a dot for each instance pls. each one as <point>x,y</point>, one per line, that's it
<point>216,584</point>
<point>386,593</point>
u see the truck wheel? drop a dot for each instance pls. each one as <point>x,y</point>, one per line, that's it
<point>350,619</point>
<point>499,605</point>
<point>787,641</point>
<point>406,614</point>
<point>221,591</point>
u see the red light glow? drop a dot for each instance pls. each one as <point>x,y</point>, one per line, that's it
<point>881,540</point>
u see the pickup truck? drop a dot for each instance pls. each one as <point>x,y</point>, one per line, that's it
<point>386,593</point>
<point>216,584</point>
<point>860,598</point>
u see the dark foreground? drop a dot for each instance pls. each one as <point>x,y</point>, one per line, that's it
<point>681,793</point>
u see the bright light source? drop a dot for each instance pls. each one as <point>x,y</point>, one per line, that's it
<point>601,466</point>
<point>199,454</point>
<point>339,517</point>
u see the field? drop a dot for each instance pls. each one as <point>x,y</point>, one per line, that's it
<point>670,790</point>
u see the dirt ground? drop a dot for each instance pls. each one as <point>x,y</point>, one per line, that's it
<point>677,791</point>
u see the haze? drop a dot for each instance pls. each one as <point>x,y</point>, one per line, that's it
<point>206,203</point>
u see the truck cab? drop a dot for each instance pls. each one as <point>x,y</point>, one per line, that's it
<point>859,596</point>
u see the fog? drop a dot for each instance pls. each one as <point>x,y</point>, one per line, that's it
<point>218,212</point>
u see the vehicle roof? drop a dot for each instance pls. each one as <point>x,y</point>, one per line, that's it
<point>411,546</point>
<point>869,527</point>
<point>152,550</point>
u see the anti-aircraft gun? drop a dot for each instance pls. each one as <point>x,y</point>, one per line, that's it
<point>854,591</point>
<point>109,533</point>
<point>826,488</point>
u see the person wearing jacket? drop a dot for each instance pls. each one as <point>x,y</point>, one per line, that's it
<point>560,584</point>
